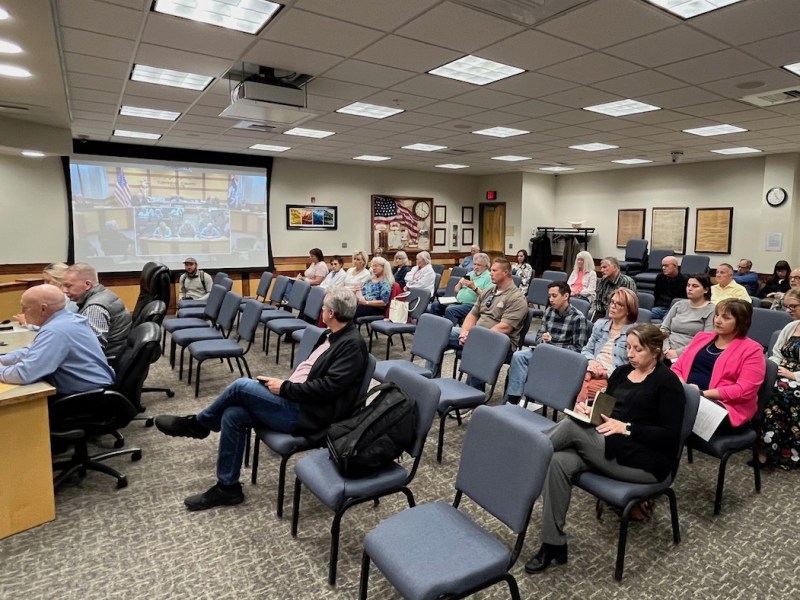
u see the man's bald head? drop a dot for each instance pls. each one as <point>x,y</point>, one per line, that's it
<point>41,302</point>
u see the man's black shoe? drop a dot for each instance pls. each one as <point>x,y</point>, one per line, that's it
<point>547,554</point>
<point>181,426</point>
<point>219,495</point>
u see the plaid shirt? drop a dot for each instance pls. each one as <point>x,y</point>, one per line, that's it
<point>605,289</point>
<point>569,330</point>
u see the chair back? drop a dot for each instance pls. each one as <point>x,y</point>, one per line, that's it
<point>218,277</point>
<point>555,376</point>
<point>555,275</point>
<point>311,335</point>
<point>425,394</point>
<point>655,258</point>
<point>458,272</point>
<point>313,305</point>
<point>692,396</point>
<point>363,389</point>
<point>526,325</point>
<point>503,464</point>
<point>298,295</point>
<point>225,282</point>
<point>437,281</point>
<point>694,264</point>
<point>263,285</point>
<point>278,288</point>
<point>581,304</point>
<point>142,348</point>
<point>645,316</point>
<point>766,389</point>
<point>438,269</point>
<point>152,312</point>
<point>765,322</point>
<point>228,312</point>
<point>214,303</point>
<point>537,291</point>
<point>154,284</point>
<point>450,288</point>
<point>484,353</point>
<point>636,251</point>
<point>773,339</point>
<point>646,300</point>
<point>419,307</point>
<point>95,413</point>
<point>248,323</point>
<point>431,338</point>
<point>517,280</point>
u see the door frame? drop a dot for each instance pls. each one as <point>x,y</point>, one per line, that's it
<point>481,208</point>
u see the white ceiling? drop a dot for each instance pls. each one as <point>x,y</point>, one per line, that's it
<point>378,51</point>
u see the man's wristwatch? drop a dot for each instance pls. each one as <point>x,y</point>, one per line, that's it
<point>627,431</point>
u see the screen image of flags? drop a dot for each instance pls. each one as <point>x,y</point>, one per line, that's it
<point>388,210</point>
<point>122,193</point>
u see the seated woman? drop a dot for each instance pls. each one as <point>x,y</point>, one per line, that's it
<point>794,283</point>
<point>358,274</point>
<point>421,276</point>
<point>336,275</point>
<point>583,279</point>
<point>400,268</point>
<point>779,435</point>
<point>523,270</point>
<point>686,317</point>
<point>606,346</point>
<point>317,271</point>
<point>725,365</point>
<point>777,285</point>
<point>637,442</point>
<point>373,297</point>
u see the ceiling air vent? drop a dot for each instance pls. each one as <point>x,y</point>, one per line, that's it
<point>251,126</point>
<point>773,98</point>
<point>455,152</point>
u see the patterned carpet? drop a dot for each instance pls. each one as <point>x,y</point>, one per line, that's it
<point>140,542</point>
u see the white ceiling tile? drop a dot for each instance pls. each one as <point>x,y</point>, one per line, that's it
<point>403,53</point>
<point>533,85</point>
<point>305,29</point>
<point>192,36</point>
<point>628,86</point>
<point>94,82</point>
<point>363,12</point>
<point>532,50</point>
<point>667,46</point>
<point>487,98</point>
<point>579,97</point>
<point>290,58</point>
<point>91,95</point>
<point>95,44</point>
<point>449,109</point>
<point>714,108</point>
<point>323,86</point>
<point>92,65</point>
<point>744,85</point>
<point>749,21</point>
<point>91,15</point>
<point>357,71</point>
<point>712,67</point>
<point>434,87</point>
<point>397,99</point>
<point>576,117</point>
<point>681,97</point>
<point>776,50</point>
<point>390,125</point>
<point>415,118</point>
<point>533,108</point>
<point>179,60</point>
<point>151,90</point>
<point>97,107</point>
<point>156,103</point>
<point>323,103</point>
<point>591,68</point>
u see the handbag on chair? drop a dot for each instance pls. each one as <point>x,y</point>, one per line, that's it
<point>399,308</point>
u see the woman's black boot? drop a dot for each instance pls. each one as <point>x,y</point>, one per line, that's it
<point>547,554</point>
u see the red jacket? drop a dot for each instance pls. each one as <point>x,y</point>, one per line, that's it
<point>737,375</point>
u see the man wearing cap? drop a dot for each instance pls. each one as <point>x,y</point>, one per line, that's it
<point>195,284</point>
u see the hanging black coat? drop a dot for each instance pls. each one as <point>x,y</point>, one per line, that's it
<point>540,254</point>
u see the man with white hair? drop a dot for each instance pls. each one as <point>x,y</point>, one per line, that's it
<point>467,263</point>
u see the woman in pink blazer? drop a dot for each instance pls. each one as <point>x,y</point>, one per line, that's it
<point>725,364</point>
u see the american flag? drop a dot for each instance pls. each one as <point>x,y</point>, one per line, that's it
<point>122,193</point>
<point>389,210</point>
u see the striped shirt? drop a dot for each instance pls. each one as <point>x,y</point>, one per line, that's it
<point>605,289</point>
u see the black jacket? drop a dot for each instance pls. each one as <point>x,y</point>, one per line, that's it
<point>667,289</point>
<point>331,391</point>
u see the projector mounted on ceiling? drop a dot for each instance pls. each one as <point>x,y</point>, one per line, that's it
<point>268,100</point>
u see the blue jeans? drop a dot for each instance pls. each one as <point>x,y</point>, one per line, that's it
<point>518,372</point>
<point>244,403</point>
<point>659,312</point>
<point>455,313</point>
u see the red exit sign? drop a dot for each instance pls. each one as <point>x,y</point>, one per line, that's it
<point>491,195</point>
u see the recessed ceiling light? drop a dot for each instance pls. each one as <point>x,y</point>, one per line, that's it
<point>9,47</point>
<point>556,169</point>
<point>794,68</point>
<point>270,148</point>
<point>12,71</point>
<point>501,132</point>
<point>424,147</point>
<point>373,111</point>
<point>511,158</point>
<point>136,134</point>
<point>149,113</point>
<point>474,69</point>
<point>739,150</point>
<point>714,130</point>
<point>178,79</point>
<point>372,158</point>
<point>32,153</point>
<point>686,9</point>
<point>240,15</point>
<point>593,147</point>
<point>4,14</point>
<point>312,133</point>
<point>631,161</point>
<point>452,166</point>
<point>622,108</point>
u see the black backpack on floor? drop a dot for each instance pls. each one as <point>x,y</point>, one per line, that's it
<point>376,435</point>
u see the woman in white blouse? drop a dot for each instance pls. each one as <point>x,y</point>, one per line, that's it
<point>358,274</point>
<point>583,279</point>
<point>422,275</point>
<point>335,277</point>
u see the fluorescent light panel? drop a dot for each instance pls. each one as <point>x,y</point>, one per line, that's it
<point>556,169</point>
<point>148,113</point>
<point>136,134</point>
<point>501,132</point>
<point>178,79</point>
<point>7,47</point>
<point>312,133</point>
<point>372,158</point>
<point>373,111</point>
<point>738,150</point>
<point>511,158</point>
<point>270,148</point>
<point>13,71</point>
<point>686,9</point>
<point>32,153</point>
<point>622,108</point>
<point>631,161</point>
<point>248,16</point>
<point>714,130</point>
<point>4,14</point>
<point>594,147</point>
<point>794,68</point>
<point>476,70</point>
<point>424,147</point>
<point>452,166</point>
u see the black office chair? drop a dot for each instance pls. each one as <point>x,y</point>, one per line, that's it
<point>155,284</point>
<point>76,418</point>
<point>152,312</point>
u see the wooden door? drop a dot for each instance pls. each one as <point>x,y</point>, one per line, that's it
<point>492,229</point>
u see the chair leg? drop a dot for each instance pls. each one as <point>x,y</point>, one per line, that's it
<point>247,448</point>
<point>254,470</point>
<point>623,540</point>
<point>673,512</point>
<point>756,469</point>
<point>266,339</point>
<point>197,380</point>
<point>334,560</point>
<point>278,350</point>
<point>239,366</point>
<point>172,346</point>
<point>296,506</point>
<point>409,497</point>
<point>291,361</point>
<point>180,368</point>
<point>119,439</point>
<point>689,455</point>
<point>246,367</point>
<point>513,588</point>
<point>230,364</point>
<point>363,582</point>
<point>403,341</point>
<point>388,345</point>
<point>189,375</point>
<point>442,421</point>
<point>720,483</point>
<point>282,486</point>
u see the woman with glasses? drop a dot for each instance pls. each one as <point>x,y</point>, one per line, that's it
<point>779,433</point>
<point>794,283</point>
<point>606,348</point>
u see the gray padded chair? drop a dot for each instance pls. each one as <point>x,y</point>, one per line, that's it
<point>276,295</point>
<point>210,314</point>
<point>438,269</point>
<point>725,446</point>
<point>646,300</point>
<point>646,280</point>
<point>320,476</point>
<point>456,273</point>
<point>624,495</point>
<point>436,551</point>
<point>430,341</point>
<point>219,279</point>
<point>296,302</point>
<point>418,299</point>
<point>765,323</point>
<point>198,307</point>
<point>582,305</point>
<point>635,257</point>
<point>537,294</point>
<point>694,264</point>
<point>645,316</point>
<point>309,315</point>
<point>484,353</point>
<point>773,339</point>
<point>262,289</point>
<point>555,275</point>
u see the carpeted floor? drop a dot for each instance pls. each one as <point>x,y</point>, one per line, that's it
<point>140,542</point>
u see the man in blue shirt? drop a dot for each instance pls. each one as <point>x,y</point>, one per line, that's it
<point>467,261</point>
<point>746,277</point>
<point>66,353</point>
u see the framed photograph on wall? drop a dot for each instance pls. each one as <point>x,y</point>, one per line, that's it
<point>714,229</point>
<point>440,236</point>
<point>312,217</point>
<point>630,225</point>
<point>467,236</point>
<point>668,228</point>
<point>440,214</point>
<point>467,215</point>
<point>401,223</point>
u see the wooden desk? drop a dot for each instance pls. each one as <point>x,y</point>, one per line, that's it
<point>26,471</point>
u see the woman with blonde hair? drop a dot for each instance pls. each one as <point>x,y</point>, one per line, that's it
<point>583,279</point>
<point>358,274</point>
<point>373,297</point>
<point>54,275</point>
